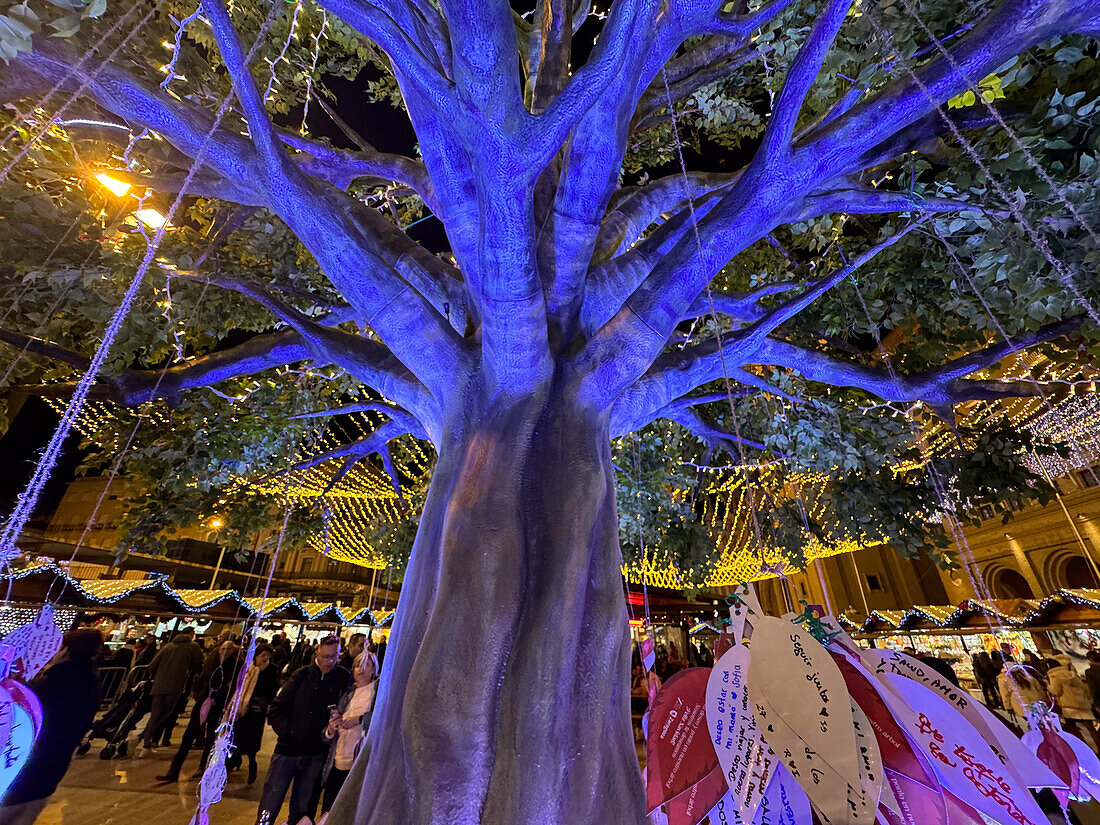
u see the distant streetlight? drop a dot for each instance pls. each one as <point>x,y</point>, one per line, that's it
<point>113,185</point>
<point>152,218</point>
<point>216,524</point>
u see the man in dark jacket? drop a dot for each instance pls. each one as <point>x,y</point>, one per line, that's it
<point>299,716</point>
<point>68,689</point>
<point>216,683</point>
<point>169,672</point>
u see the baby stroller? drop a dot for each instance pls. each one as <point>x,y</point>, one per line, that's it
<point>117,723</point>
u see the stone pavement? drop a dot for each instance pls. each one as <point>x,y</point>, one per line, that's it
<point>126,792</point>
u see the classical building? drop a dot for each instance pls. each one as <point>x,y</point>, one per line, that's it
<point>1041,549</point>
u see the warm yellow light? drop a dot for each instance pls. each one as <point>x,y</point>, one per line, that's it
<point>217,523</point>
<point>151,218</point>
<point>116,187</point>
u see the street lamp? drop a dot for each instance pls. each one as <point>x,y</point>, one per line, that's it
<point>215,525</point>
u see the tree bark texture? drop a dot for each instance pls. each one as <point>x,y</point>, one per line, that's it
<point>505,697</point>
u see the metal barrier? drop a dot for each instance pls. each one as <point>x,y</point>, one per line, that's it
<point>114,680</point>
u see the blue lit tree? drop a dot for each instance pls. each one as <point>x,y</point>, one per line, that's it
<point>572,310</point>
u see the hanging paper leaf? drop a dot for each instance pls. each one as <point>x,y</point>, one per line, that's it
<point>910,785</point>
<point>963,762</point>
<point>784,803</point>
<point>648,654</point>
<point>919,804</point>
<point>21,734</point>
<point>35,643</point>
<point>800,681</point>
<point>835,800</point>
<point>1088,764</point>
<point>1056,754</point>
<point>690,807</point>
<point>870,758</point>
<point>1024,767</point>
<point>678,750</point>
<point>747,762</point>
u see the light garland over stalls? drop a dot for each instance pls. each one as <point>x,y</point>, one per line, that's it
<point>365,493</point>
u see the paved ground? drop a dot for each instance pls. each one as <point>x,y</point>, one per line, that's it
<point>125,792</point>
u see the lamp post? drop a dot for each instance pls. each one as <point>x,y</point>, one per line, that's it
<point>216,524</point>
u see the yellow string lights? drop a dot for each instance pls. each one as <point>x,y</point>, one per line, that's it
<point>365,494</point>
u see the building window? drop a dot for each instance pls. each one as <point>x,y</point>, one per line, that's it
<point>307,564</point>
<point>1088,478</point>
<point>985,511</point>
<point>873,583</point>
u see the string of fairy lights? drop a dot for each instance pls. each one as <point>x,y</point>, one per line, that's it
<point>364,495</point>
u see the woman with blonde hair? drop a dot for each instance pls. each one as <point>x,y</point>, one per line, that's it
<point>1020,689</point>
<point>348,729</point>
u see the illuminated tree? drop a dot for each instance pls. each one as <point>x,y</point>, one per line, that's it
<point>573,309</point>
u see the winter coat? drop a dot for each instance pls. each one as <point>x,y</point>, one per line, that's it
<point>248,732</point>
<point>69,692</point>
<point>299,714</point>
<point>1013,694</point>
<point>1072,693</point>
<point>173,664</point>
<point>1092,679</point>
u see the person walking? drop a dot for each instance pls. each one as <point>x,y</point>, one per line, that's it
<point>346,732</point>
<point>211,693</point>
<point>1074,699</point>
<point>68,688</point>
<point>986,677</point>
<point>1092,679</point>
<point>261,681</point>
<point>299,716</point>
<point>169,671</point>
<point>356,643</point>
<point>1019,689</point>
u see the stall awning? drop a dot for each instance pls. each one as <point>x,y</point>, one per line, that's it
<point>154,596</point>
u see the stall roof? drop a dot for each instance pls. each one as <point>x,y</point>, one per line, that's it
<point>1064,608</point>
<point>41,582</point>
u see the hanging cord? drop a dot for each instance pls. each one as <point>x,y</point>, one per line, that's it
<point>29,497</point>
<point>713,312</point>
<point>1037,240</point>
<point>1026,370</point>
<point>940,489</point>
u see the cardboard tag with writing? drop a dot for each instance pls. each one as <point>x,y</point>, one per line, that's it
<point>1024,767</point>
<point>964,764</point>
<point>678,748</point>
<point>747,762</point>
<point>803,686</point>
<point>690,807</point>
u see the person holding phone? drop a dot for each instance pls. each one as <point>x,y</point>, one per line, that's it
<point>299,715</point>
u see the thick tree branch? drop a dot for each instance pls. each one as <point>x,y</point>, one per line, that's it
<point>396,413</point>
<point>134,387</point>
<point>690,420</point>
<point>800,77</point>
<point>375,442</point>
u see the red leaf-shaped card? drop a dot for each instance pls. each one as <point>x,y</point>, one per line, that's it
<point>678,748</point>
<point>692,805</point>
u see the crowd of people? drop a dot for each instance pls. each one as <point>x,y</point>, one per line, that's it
<point>317,699</point>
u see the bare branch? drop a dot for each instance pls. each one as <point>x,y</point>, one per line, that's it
<point>357,450</point>
<point>732,24</point>
<point>395,412</point>
<point>690,420</point>
<point>800,77</point>
<point>134,387</point>
<point>863,200</point>
<point>940,387</point>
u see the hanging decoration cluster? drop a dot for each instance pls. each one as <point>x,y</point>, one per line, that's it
<point>798,719</point>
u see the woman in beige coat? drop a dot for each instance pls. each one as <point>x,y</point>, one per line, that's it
<point>1074,699</point>
<point>1019,689</point>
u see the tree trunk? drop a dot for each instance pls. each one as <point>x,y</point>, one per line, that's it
<point>505,694</point>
